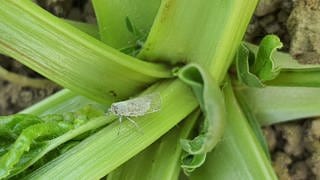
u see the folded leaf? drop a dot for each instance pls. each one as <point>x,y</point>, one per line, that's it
<point>292,72</point>
<point>254,71</point>
<point>211,102</point>
<point>264,65</point>
<point>244,59</point>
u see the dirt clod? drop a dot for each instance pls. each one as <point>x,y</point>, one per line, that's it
<point>270,134</point>
<point>281,163</point>
<point>292,134</point>
<point>299,171</point>
<point>304,27</point>
<point>266,7</point>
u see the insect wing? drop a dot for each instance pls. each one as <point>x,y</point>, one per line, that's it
<point>138,106</point>
<point>154,102</point>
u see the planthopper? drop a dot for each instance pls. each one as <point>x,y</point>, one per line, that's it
<point>136,107</point>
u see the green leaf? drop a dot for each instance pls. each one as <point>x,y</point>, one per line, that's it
<point>121,21</point>
<point>35,136</point>
<point>264,65</point>
<point>239,154</point>
<point>161,160</point>
<point>255,71</point>
<point>275,104</point>
<point>212,104</point>
<point>190,162</point>
<point>253,122</point>
<point>90,29</point>
<point>286,62</point>
<point>292,73</point>
<point>244,59</point>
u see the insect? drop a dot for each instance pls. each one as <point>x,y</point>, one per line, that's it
<point>136,107</point>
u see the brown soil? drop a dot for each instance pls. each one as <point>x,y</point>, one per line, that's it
<point>295,146</point>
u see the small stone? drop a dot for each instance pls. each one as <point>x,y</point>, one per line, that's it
<point>267,6</point>
<point>292,133</point>
<point>315,128</point>
<point>272,28</point>
<point>271,138</point>
<point>280,165</point>
<point>75,14</point>
<point>282,16</point>
<point>265,21</point>
<point>299,171</point>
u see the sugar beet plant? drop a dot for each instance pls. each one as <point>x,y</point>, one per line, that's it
<point>213,92</point>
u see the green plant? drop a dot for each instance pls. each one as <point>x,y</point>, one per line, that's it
<point>180,49</point>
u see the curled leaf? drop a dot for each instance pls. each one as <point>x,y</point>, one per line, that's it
<point>245,58</point>
<point>192,161</point>
<point>264,65</point>
<point>211,101</point>
<point>255,70</point>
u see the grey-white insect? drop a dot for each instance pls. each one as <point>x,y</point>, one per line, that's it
<point>136,107</point>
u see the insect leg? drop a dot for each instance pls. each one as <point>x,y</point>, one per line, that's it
<point>120,122</point>
<point>133,122</point>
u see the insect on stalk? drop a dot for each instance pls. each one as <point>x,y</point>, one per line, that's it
<point>136,107</point>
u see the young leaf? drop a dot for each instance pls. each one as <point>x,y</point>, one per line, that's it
<point>292,73</point>
<point>245,58</point>
<point>254,71</point>
<point>264,65</point>
<point>190,162</point>
<point>211,102</point>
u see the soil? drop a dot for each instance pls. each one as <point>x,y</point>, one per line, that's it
<point>294,146</point>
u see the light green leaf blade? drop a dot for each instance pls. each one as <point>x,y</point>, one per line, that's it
<point>161,160</point>
<point>112,15</point>
<point>212,104</point>
<point>90,29</point>
<point>244,58</point>
<point>275,104</point>
<point>238,155</point>
<point>292,73</point>
<point>264,65</point>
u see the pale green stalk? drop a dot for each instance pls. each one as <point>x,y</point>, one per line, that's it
<point>106,150</point>
<point>161,160</point>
